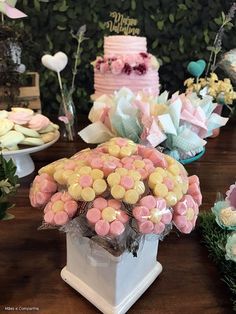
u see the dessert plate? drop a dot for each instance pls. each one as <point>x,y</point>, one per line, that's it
<point>23,160</point>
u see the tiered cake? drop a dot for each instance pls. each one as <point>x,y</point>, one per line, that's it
<point>125,63</point>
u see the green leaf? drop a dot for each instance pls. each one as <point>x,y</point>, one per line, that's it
<point>181,44</point>
<point>154,44</point>
<point>218,21</point>
<point>206,36</point>
<point>166,59</point>
<point>160,25</point>
<point>171,18</point>
<point>37,5</point>
<point>63,7</point>
<point>182,7</point>
<point>133,5</point>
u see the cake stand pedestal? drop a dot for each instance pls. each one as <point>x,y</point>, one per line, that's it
<point>22,159</point>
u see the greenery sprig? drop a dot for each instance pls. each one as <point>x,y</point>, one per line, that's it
<point>217,44</point>
<point>215,239</point>
<point>9,183</point>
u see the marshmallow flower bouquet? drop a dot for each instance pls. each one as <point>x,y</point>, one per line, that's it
<point>116,194</point>
<point>180,124</point>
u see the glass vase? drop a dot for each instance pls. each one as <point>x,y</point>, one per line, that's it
<point>67,116</point>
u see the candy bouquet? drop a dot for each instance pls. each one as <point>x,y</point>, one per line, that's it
<point>179,124</point>
<point>219,232</point>
<point>113,200</point>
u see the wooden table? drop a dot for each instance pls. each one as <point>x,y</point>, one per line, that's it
<point>31,260</point>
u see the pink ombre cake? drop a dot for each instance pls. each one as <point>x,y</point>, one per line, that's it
<point>125,63</point>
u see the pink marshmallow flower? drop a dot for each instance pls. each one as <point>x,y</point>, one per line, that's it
<point>42,189</point>
<point>194,189</point>
<point>185,214</point>
<point>152,215</point>
<point>61,208</point>
<point>107,217</point>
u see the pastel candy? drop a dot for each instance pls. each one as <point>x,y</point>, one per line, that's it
<point>114,150</point>
<point>88,194</point>
<point>61,218</point>
<point>97,174</point>
<point>141,213</point>
<point>146,227</point>
<point>102,227</point>
<point>131,196</point>
<point>166,217</point>
<point>116,228</point>
<point>139,187</point>
<point>71,207</point>
<point>127,182</point>
<point>99,186</point>
<point>171,199</point>
<point>75,191</point>
<point>122,216</point>
<point>153,179</point>
<point>169,183</point>
<point>47,186</point>
<point>113,179</point>
<point>109,214</point>
<point>93,215</point>
<point>3,114</point>
<point>38,122</point>
<point>160,190</point>
<point>49,217</point>
<point>100,203</point>
<point>155,215</point>
<point>11,138</point>
<point>23,110</point>
<point>85,181</point>
<point>109,167</point>
<point>32,141</point>
<point>5,126</point>
<point>96,163</point>
<point>20,117</point>
<point>114,203</point>
<point>48,207</point>
<point>118,192</point>
<point>158,228</point>
<point>26,131</point>
<point>58,206</point>
<point>149,201</point>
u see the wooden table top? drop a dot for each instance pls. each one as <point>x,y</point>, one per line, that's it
<point>31,260</point>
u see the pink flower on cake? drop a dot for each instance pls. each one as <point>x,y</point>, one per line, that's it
<point>194,189</point>
<point>140,69</point>
<point>60,209</point>
<point>107,217</point>
<point>152,215</point>
<point>185,214</point>
<point>104,67</point>
<point>131,60</point>
<point>117,66</point>
<point>42,189</point>
<point>127,69</point>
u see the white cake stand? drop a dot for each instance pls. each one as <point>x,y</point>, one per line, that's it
<point>22,159</point>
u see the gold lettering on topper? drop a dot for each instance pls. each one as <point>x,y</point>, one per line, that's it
<point>121,24</point>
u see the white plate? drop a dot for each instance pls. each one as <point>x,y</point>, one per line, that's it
<point>22,159</point>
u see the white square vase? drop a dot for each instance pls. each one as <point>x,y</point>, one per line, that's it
<point>113,284</point>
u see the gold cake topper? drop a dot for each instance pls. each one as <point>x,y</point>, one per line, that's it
<point>121,24</point>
